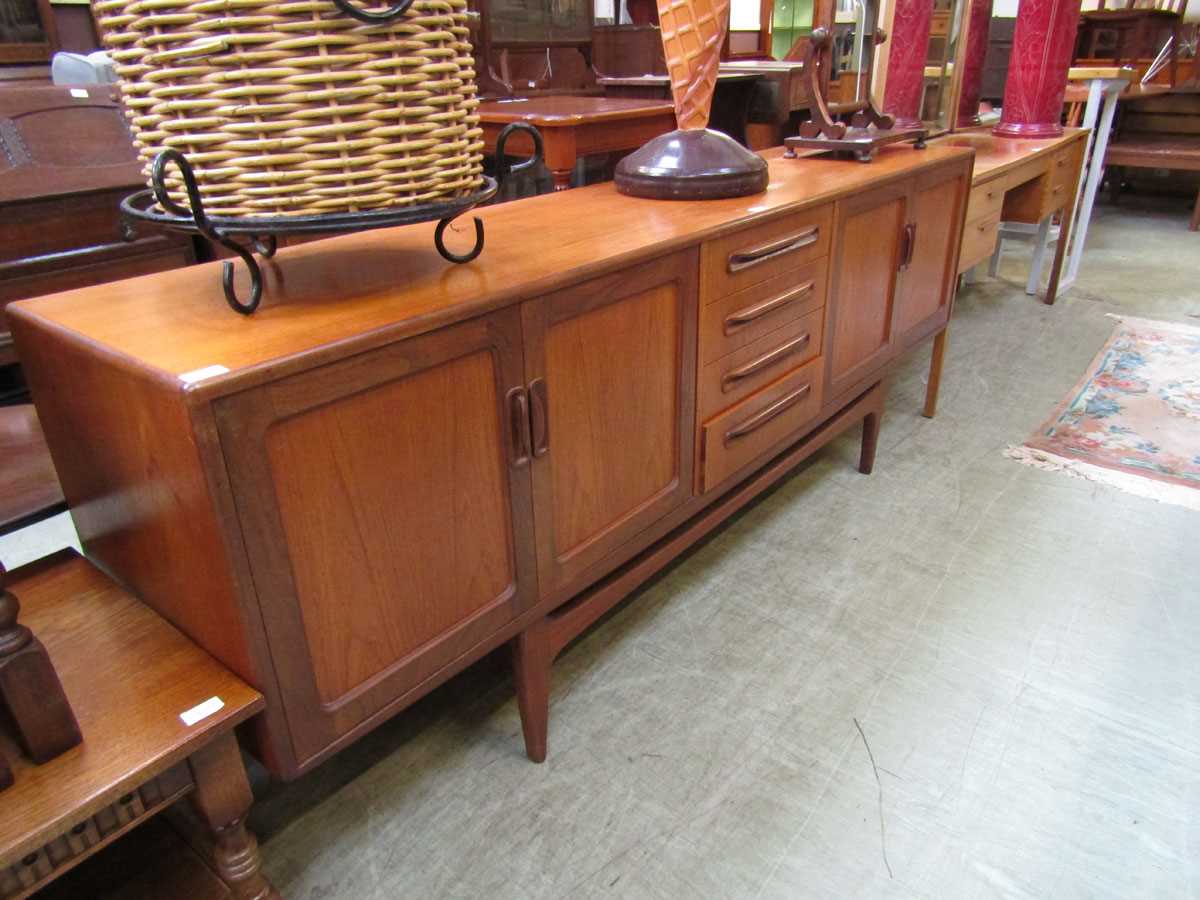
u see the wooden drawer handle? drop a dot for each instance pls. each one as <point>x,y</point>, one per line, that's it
<point>761,418</point>
<point>539,416</point>
<point>518,427</point>
<point>744,259</point>
<point>763,362</point>
<point>743,317</point>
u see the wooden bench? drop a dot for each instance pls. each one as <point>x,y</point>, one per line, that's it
<point>1158,132</point>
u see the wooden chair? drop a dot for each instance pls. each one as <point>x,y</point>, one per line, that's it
<point>29,489</point>
<point>1127,31</point>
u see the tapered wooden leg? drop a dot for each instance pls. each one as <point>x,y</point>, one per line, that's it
<point>30,688</point>
<point>870,440</point>
<point>1060,252</point>
<point>1195,223</point>
<point>533,659</point>
<point>935,373</point>
<point>6,775</point>
<point>222,798</point>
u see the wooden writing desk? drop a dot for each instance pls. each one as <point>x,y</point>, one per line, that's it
<point>572,127</point>
<point>128,675</point>
<point>1026,181</point>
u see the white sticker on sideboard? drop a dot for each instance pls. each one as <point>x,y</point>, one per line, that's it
<point>198,375</point>
<point>79,93</point>
<point>202,710</point>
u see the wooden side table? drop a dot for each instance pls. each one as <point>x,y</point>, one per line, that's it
<point>132,679</point>
<point>576,126</point>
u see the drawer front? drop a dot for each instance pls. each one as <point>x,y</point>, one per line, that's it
<point>985,200</point>
<point>745,316</point>
<point>979,241</point>
<point>755,254</point>
<point>760,425</point>
<point>732,378</point>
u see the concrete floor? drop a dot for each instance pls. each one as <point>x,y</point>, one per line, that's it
<point>958,677</point>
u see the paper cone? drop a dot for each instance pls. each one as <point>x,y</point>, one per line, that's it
<point>692,34</point>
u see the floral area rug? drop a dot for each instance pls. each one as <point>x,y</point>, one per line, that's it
<point>1133,422</point>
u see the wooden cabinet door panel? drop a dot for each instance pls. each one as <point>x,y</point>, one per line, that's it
<point>867,248</point>
<point>612,365</point>
<point>387,515</point>
<point>927,284</point>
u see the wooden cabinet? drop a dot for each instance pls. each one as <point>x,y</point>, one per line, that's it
<point>395,465</point>
<point>611,367</point>
<point>385,502</point>
<point>869,244</point>
<point>893,273</point>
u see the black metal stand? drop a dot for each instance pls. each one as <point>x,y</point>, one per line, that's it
<point>247,235</point>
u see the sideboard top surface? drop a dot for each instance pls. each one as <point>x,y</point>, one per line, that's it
<point>996,156</point>
<point>369,288</point>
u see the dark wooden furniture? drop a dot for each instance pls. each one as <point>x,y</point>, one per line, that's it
<point>30,690</point>
<point>66,162</point>
<point>377,479</point>
<point>573,127</point>
<point>1132,31</point>
<point>28,33</point>
<point>1024,181</point>
<point>1157,132</point>
<point>129,676</point>
<point>782,91</point>
<point>29,489</point>
<point>621,51</point>
<point>999,51</point>
<point>730,105</point>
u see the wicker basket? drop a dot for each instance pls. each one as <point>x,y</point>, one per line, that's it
<point>290,108</point>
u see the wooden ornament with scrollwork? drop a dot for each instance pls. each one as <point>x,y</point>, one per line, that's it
<point>869,128</point>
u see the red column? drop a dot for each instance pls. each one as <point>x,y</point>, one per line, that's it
<point>906,61</point>
<point>1037,69</point>
<point>980,13</point>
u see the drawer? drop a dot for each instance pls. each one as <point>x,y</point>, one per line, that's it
<point>736,376</point>
<point>745,316</point>
<point>979,241</point>
<point>755,254</point>
<point>985,199</point>
<point>755,428</point>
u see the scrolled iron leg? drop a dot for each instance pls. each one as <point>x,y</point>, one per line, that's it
<point>265,246</point>
<point>449,255</point>
<point>256,279</point>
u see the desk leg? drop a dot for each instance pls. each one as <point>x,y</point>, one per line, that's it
<point>1194,225</point>
<point>533,659</point>
<point>935,373</point>
<point>559,147</point>
<point>1060,252</point>
<point>1039,255</point>
<point>222,798</point>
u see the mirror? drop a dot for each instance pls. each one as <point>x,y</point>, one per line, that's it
<point>854,28</point>
<point>940,64</point>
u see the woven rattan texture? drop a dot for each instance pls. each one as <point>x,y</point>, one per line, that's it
<point>289,108</point>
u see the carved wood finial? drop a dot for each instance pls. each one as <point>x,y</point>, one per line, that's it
<point>12,636</point>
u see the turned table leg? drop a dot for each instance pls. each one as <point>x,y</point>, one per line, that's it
<point>533,658</point>
<point>222,798</point>
<point>935,373</point>
<point>559,147</point>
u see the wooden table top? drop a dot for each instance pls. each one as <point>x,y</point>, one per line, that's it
<point>128,675</point>
<point>374,287</point>
<point>564,110</point>
<point>665,80</point>
<point>994,156</point>
<point>762,65</point>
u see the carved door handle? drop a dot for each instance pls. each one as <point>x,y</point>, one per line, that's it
<point>539,416</point>
<point>765,361</point>
<point>761,418</point>
<point>748,314</point>
<point>518,427</point>
<point>744,259</point>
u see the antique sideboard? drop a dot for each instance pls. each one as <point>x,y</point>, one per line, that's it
<point>397,465</point>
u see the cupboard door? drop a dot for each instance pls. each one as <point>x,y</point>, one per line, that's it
<point>385,503</point>
<point>867,253</point>
<point>611,366</point>
<point>927,283</point>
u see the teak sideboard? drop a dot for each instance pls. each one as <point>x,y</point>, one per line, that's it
<point>397,465</point>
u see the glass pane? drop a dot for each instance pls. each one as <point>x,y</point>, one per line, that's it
<point>792,20</point>
<point>19,22</point>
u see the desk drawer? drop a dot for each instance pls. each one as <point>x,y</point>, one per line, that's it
<point>734,377</point>
<point>755,254</point>
<point>979,241</point>
<point>745,316</point>
<point>985,199</point>
<point>752,429</point>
